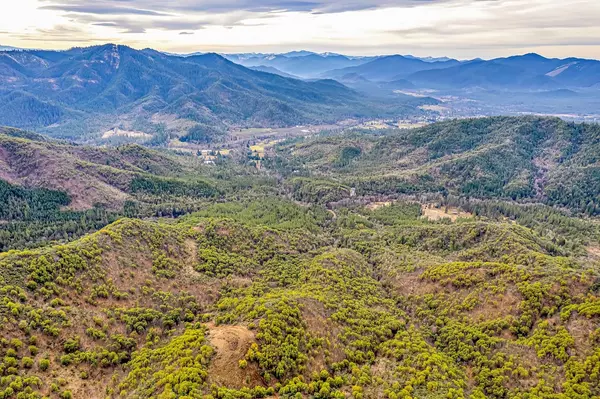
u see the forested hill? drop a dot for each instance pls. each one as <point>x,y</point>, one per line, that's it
<point>530,159</point>
<point>88,175</point>
<point>273,299</point>
<point>52,190</point>
<point>132,273</point>
<point>87,91</point>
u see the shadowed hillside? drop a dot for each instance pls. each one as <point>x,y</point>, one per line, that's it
<point>84,92</point>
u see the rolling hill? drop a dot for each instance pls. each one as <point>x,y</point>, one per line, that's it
<point>55,190</point>
<point>526,72</point>
<point>90,176</point>
<point>439,276</point>
<point>529,159</point>
<point>237,302</point>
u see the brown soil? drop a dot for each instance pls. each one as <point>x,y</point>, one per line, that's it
<point>451,213</point>
<point>580,329</point>
<point>5,170</point>
<point>593,251</point>
<point>376,205</point>
<point>231,344</point>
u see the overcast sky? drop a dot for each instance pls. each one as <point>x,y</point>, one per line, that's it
<point>457,28</point>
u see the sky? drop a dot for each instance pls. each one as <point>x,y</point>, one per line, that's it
<point>455,28</point>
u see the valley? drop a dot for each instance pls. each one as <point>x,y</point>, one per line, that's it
<point>235,199</point>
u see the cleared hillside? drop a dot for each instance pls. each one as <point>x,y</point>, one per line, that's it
<point>89,175</point>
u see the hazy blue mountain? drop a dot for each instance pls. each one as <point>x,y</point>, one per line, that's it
<point>303,63</point>
<point>90,90</point>
<point>388,68</point>
<point>478,73</point>
<point>268,69</point>
<point>529,71</point>
<point>530,63</point>
<point>577,73</point>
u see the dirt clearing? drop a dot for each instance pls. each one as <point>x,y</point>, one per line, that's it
<point>231,344</point>
<point>432,213</point>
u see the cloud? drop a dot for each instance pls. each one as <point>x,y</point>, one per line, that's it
<point>109,24</point>
<point>60,33</point>
<point>194,14</point>
<point>103,10</point>
<point>157,7</point>
<point>460,28</point>
<point>128,24</point>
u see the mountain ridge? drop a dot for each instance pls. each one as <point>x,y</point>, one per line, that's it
<point>84,88</point>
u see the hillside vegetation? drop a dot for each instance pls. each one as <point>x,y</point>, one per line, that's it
<point>536,159</point>
<point>82,93</point>
<point>321,276</point>
<point>370,304</point>
<point>52,190</point>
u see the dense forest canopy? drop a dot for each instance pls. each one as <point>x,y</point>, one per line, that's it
<point>459,260</point>
<point>529,159</point>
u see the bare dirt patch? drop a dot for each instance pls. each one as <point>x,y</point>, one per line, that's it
<point>376,205</point>
<point>5,169</point>
<point>593,251</point>
<point>319,324</point>
<point>505,303</point>
<point>432,213</point>
<point>231,344</point>
<point>580,329</point>
<point>191,258</point>
<point>116,132</point>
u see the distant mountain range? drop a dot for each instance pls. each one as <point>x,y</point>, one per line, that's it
<point>391,68</point>
<point>87,91</point>
<point>530,71</point>
<point>527,72</point>
<point>301,63</point>
<point>268,69</point>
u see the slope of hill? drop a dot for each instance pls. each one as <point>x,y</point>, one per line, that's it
<point>89,175</point>
<point>52,190</point>
<point>94,89</point>
<point>528,158</point>
<point>287,283</point>
<point>486,74</point>
<point>268,69</point>
<point>247,307</point>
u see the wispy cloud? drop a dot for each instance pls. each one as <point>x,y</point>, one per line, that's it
<point>461,28</point>
<point>223,6</point>
<point>103,10</point>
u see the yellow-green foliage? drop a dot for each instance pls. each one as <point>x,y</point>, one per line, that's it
<point>369,305</point>
<point>176,369</point>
